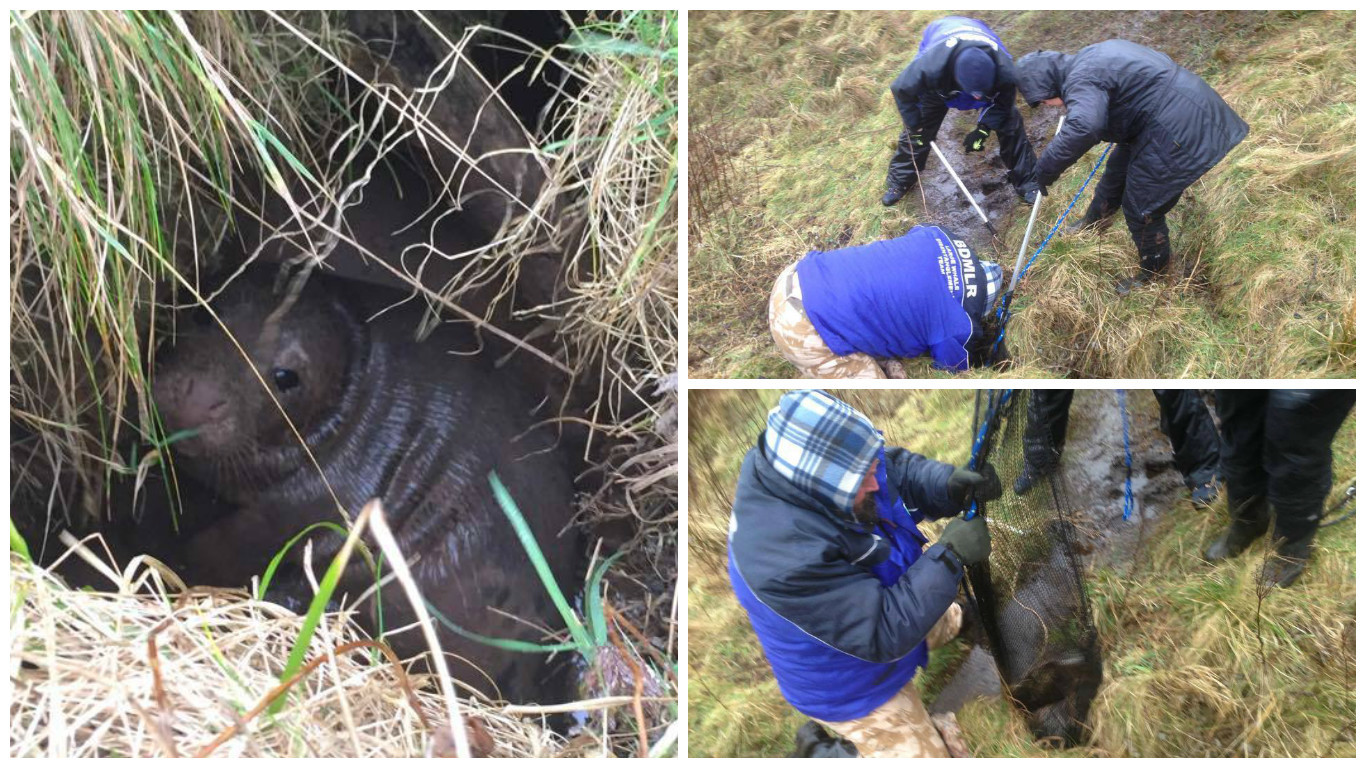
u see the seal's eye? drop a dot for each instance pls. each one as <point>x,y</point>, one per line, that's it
<point>285,379</point>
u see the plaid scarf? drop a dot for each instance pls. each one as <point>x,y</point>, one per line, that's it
<point>822,446</point>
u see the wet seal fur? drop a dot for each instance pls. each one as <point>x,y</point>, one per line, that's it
<point>385,417</point>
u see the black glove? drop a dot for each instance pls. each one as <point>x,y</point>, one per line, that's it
<point>968,539</point>
<point>967,486</point>
<point>976,139</point>
<point>916,140</point>
<point>1028,190</point>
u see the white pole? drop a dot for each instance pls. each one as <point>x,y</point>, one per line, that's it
<point>966,194</point>
<point>1033,214</point>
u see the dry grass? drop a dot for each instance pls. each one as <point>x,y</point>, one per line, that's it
<point>146,668</point>
<point>1263,283</point>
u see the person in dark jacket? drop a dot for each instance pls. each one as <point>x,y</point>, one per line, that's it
<point>1169,127</point>
<point>961,64</point>
<point>826,558</point>
<point>832,313</point>
<point>1278,461</point>
<point>1185,421</point>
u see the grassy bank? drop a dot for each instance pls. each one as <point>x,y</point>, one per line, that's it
<point>793,125</point>
<point>1196,664</point>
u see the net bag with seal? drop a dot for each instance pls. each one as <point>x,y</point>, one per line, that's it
<point>1031,596</point>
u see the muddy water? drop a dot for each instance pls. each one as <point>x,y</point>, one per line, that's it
<point>1094,472</point>
<point>985,177</point>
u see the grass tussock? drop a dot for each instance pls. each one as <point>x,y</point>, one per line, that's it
<point>133,133</point>
<point>1263,279</point>
<point>1199,662</point>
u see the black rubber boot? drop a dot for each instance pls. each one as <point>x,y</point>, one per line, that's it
<point>1028,479</point>
<point>1250,519</point>
<point>1289,562</point>
<point>1204,495</point>
<point>1150,265</point>
<point>895,192</point>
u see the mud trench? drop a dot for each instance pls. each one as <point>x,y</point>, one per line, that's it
<point>984,175</point>
<point>1093,468</point>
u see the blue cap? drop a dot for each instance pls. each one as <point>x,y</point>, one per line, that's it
<point>975,71</point>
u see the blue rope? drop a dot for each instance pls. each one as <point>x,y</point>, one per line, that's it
<point>1003,312</point>
<point>1128,459</point>
<point>977,443</point>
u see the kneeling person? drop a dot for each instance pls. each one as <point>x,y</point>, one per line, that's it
<point>844,592</point>
<point>833,312</point>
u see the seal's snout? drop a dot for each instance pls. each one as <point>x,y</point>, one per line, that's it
<point>191,401</point>
<point>203,402</point>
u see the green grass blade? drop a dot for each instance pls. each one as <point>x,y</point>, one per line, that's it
<point>280,556</point>
<point>17,543</point>
<point>520,646</point>
<point>326,588</point>
<point>533,550</point>
<point>597,622</point>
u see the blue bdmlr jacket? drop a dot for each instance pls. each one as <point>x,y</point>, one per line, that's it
<point>842,608</point>
<point>923,292</point>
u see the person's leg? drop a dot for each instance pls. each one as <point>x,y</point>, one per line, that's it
<point>801,344</point>
<point>932,112</point>
<point>901,171</point>
<point>899,728</point>
<point>908,160</point>
<point>1109,194</point>
<point>947,628</point>
<point>1045,434</point>
<point>1151,238</point>
<point>1195,442</point>
<point>1016,151</point>
<point>1300,425</point>
<point>1242,435</point>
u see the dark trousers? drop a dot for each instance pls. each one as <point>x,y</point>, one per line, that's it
<point>1278,446</point>
<point>1195,442</point>
<point>907,161</point>
<point>1185,421</point>
<point>1045,430</point>
<point>1149,232</point>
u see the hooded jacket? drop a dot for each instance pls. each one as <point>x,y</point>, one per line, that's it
<point>1122,92</point>
<point>840,607</point>
<point>931,76</point>
<point>931,72</point>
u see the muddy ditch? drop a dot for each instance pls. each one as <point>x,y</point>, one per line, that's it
<point>1093,468</point>
<point>984,175</point>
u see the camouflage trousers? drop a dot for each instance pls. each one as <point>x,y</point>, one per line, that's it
<point>902,727</point>
<point>801,344</point>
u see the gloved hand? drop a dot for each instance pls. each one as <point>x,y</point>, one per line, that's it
<point>968,539</point>
<point>1029,190</point>
<point>967,486</point>
<point>976,139</point>
<point>916,140</point>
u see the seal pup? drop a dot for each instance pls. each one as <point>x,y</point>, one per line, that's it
<point>377,415</point>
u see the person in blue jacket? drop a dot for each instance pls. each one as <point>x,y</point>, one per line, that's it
<point>826,558</point>
<point>833,313</point>
<point>961,64</point>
